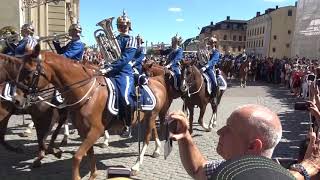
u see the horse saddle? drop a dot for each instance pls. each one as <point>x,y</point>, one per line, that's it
<point>147,98</point>
<point>221,82</point>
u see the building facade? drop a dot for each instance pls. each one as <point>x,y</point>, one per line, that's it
<point>231,35</point>
<point>47,18</point>
<point>306,41</point>
<point>270,34</point>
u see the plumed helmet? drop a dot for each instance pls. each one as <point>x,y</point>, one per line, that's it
<point>213,39</point>
<point>76,27</point>
<point>28,27</point>
<point>177,39</point>
<point>124,20</point>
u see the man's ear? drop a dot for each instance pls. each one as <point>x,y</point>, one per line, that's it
<point>255,146</point>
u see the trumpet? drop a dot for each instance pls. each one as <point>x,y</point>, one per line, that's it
<point>9,38</point>
<point>54,37</point>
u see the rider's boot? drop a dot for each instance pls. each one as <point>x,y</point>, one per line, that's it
<point>126,133</point>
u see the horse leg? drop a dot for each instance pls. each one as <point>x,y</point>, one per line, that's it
<point>93,165</point>
<point>42,125</point>
<point>66,132</point>
<point>106,137</point>
<point>3,130</point>
<point>92,136</point>
<point>150,126</point>
<point>61,121</point>
<point>200,120</point>
<point>213,119</point>
<point>191,111</point>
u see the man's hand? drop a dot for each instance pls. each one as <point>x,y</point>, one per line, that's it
<point>314,111</point>
<point>178,125</point>
<point>105,70</point>
<point>202,70</point>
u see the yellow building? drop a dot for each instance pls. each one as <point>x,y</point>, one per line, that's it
<point>231,35</point>
<point>47,18</point>
<point>271,34</point>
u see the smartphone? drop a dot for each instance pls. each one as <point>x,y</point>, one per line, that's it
<point>301,106</point>
<point>311,77</point>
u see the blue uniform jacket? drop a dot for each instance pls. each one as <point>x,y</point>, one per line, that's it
<point>214,59</point>
<point>73,50</point>
<point>138,58</point>
<point>128,50</point>
<point>21,47</point>
<point>175,56</point>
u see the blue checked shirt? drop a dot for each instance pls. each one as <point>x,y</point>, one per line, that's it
<point>211,167</point>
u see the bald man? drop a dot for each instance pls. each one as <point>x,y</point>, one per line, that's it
<point>250,130</point>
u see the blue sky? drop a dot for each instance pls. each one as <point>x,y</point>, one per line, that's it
<point>158,21</point>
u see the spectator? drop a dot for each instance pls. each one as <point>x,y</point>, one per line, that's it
<point>250,130</point>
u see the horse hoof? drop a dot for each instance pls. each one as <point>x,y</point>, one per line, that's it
<point>156,155</point>
<point>58,154</point>
<point>25,134</point>
<point>36,164</point>
<point>134,172</point>
<point>103,145</point>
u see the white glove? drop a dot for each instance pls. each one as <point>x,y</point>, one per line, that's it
<point>168,66</point>
<point>105,70</point>
<point>203,69</point>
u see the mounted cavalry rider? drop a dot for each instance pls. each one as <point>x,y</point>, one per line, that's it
<point>210,67</point>
<point>138,60</point>
<point>122,73</point>
<point>27,43</point>
<point>75,48</point>
<point>175,55</point>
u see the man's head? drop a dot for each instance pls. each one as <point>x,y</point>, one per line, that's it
<point>250,130</point>
<point>213,41</point>
<point>75,30</point>
<point>26,30</point>
<point>124,23</point>
<point>139,40</point>
<point>176,41</point>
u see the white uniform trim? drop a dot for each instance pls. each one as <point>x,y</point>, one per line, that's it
<point>126,92</point>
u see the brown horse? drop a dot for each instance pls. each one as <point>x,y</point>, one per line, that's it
<point>228,68</point>
<point>194,85</point>
<point>42,114</point>
<point>89,112</point>
<point>243,73</point>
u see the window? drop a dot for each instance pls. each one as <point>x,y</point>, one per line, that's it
<point>289,31</point>
<point>244,38</point>
<point>288,45</point>
<point>235,26</point>
<point>234,49</point>
<point>234,38</point>
<point>289,12</point>
<point>239,48</point>
<point>225,37</point>
<point>240,38</point>
<point>262,43</point>
<point>275,37</point>
<point>273,49</point>
<point>263,30</point>
<point>224,26</point>
<point>254,44</point>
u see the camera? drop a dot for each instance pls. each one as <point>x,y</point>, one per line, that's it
<point>311,77</point>
<point>301,106</point>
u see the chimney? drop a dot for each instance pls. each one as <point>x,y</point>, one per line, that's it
<point>258,14</point>
<point>211,23</point>
<point>228,17</point>
<point>266,11</point>
<point>277,7</point>
<point>296,4</point>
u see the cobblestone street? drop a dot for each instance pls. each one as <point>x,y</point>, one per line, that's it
<point>124,151</point>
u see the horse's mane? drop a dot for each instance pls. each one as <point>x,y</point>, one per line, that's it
<point>69,62</point>
<point>7,58</point>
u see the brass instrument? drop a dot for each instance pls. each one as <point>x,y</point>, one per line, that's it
<point>107,41</point>
<point>54,37</point>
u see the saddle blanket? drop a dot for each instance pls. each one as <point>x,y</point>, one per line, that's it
<point>220,81</point>
<point>147,98</point>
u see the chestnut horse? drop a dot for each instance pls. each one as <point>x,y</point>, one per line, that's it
<point>194,85</point>
<point>227,67</point>
<point>42,114</point>
<point>243,73</point>
<point>90,115</point>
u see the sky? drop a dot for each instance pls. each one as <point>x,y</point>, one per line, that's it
<point>158,21</point>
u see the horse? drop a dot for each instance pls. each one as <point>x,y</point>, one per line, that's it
<point>42,114</point>
<point>253,70</point>
<point>228,68</point>
<point>196,94</point>
<point>89,112</point>
<point>243,72</point>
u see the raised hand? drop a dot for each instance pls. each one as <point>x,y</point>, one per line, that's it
<point>178,125</point>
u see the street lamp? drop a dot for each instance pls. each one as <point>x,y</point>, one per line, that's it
<point>36,3</point>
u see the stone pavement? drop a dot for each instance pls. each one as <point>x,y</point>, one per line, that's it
<point>124,151</point>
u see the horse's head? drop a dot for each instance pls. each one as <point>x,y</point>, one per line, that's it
<point>187,75</point>
<point>32,75</point>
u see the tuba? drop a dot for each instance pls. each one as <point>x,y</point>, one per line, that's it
<point>107,42</point>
